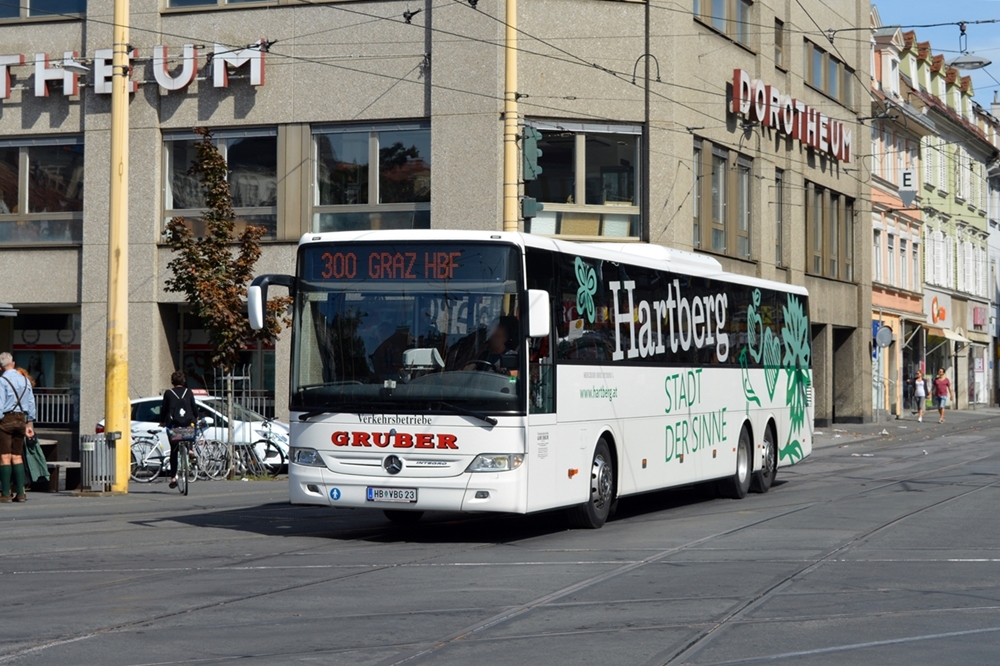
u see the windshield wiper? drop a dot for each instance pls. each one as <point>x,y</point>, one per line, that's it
<point>339,407</point>
<point>469,412</point>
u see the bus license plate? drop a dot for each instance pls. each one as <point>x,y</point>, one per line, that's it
<point>392,494</point>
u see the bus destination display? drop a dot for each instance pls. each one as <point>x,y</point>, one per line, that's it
<point>424,262</point>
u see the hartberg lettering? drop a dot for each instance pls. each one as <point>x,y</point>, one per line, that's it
<point>698,321</point>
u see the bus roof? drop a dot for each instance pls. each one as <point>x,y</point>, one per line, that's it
<point>641,254</point>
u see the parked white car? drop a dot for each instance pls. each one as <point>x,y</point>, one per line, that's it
<point>248,425</point>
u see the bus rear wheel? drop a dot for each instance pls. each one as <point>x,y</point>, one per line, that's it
<point>736,486</point>
<point>402,517</point>
<point>594,513</point>
<point>763,478</point>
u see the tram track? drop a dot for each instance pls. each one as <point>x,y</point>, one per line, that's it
<point>412,653</point>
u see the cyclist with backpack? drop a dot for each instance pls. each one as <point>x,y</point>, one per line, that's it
<point>178,410</point>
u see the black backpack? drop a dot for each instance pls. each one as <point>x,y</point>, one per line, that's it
<point>179,407</point>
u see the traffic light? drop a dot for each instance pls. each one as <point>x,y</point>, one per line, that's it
<point>530,208</point>
<point>531,153</point>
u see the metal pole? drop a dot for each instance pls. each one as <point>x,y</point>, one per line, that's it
<point>116,404</point>
<point>510,122</point>
<point>646,181</point>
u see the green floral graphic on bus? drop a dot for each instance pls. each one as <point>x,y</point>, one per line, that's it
<point>795,335</point>
<point>586,277</point>
<point>791,352</point>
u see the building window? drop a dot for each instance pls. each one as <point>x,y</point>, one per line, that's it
<point>827,74</point>
<point>730,17</point>
<point>181,4</point>
<point>877,257</point>
<point>904,281</point>
<point>779,215</point>
<point>916,267</point>
<point>779,43</point>
<point>890,260</point>
<point>727,188</point>
<point>41,190</point>
<point>829,233</point>
<point>590,180</point>
<point>42,9</point>
<point>372,177</point>
<point>252,158</point>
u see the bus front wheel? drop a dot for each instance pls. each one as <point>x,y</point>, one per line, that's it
<point>737,485</point>
<point>594,513</point>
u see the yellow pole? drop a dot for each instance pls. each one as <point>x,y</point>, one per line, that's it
<point>116,403</point>
<point>510,124</point>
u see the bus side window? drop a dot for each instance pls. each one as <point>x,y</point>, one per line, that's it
<point>541,371</point>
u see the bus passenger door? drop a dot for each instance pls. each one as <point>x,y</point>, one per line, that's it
<point>540,444</point>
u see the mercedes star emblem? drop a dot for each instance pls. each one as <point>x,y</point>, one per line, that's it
<point>393,464</point>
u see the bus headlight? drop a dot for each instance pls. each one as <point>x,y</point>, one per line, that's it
<point>308,457</point>
<point>491,462</point>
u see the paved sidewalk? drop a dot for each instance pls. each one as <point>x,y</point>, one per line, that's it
<point>840,434</point>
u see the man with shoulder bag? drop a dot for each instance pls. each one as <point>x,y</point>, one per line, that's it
<point>17,404</point>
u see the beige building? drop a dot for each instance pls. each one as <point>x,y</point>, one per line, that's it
<point>348,116</point>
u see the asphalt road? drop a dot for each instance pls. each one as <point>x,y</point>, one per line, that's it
<point>871,551</point>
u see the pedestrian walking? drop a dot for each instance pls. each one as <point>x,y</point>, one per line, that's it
<point>920,394</point>
<point>177,411</point>
<point>17,404</point>
<point>942,391</point>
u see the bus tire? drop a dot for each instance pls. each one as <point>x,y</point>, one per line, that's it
<point>764,477</point>
<point>737,485</point>
<point>593,513</point>
<point>400,517</point>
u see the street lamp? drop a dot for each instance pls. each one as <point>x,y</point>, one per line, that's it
<point>967,61</point>
<point>76,67</point>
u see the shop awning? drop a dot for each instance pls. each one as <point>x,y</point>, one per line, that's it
<point>947,333</point>
<point>7,310</point>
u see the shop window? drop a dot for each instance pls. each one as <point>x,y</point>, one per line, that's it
<point>829,233</point>
<point>723,180</point>
<point>55,9</point>
<point>827,74</point>
<point>372,177</point>
<point>252,158</point>
<point>589,181</point>
<point>41,191</point>
<point>730,17</point>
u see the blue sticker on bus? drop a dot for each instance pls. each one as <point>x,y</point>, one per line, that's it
<point>335,494</point>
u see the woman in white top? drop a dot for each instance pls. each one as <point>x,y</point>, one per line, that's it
<point>920,394</point>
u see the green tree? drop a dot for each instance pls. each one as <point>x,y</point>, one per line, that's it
<point>213,272</point>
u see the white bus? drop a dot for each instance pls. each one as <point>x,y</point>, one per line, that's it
<point>504,372</point>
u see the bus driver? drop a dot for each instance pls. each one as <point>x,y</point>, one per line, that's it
<point>501,342</point>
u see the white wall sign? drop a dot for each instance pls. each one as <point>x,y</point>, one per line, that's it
<point>223,60</point>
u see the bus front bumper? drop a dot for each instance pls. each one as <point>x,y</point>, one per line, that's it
<point>471,491</point>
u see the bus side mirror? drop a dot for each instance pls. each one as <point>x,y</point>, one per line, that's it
<point>257,296</point>
<point>539,313</point>
<point>255,307</point>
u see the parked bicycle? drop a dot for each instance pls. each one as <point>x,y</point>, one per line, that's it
<point>265,457</point>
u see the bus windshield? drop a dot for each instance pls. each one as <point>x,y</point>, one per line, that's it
<point>411,327</point>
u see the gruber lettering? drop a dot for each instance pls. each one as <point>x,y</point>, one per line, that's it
<point>397,440</point>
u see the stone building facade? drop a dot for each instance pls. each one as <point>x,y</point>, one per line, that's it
<point>374,115</point>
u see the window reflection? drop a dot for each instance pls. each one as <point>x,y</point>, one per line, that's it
<point>342,162</point>
<point>404,166</point>
<point>55,179</point>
